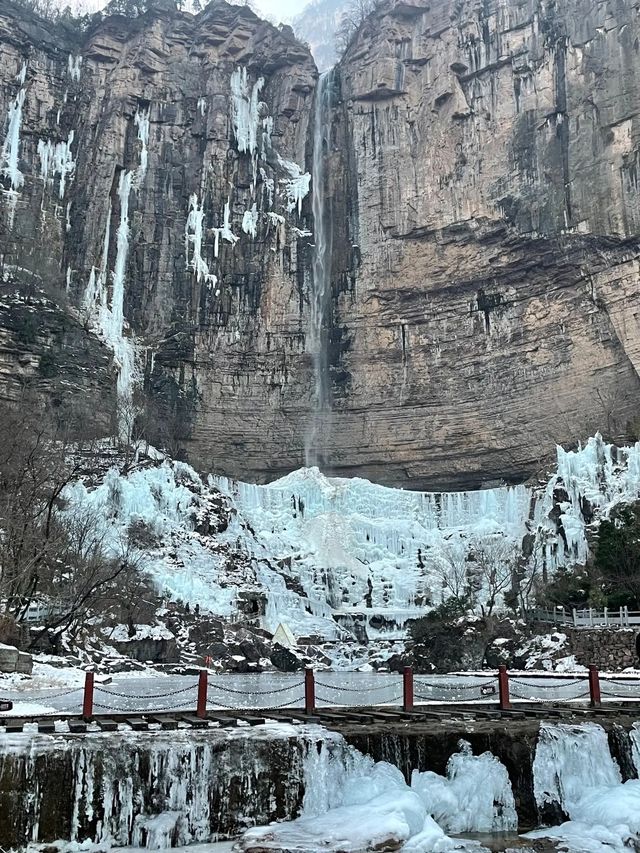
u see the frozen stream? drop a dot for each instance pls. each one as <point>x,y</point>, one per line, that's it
<point>275,690</point>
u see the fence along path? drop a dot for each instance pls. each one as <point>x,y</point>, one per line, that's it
<point>589,618</point>
<point>202,698</point>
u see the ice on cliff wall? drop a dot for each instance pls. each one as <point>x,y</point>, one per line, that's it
<point>325,551</point>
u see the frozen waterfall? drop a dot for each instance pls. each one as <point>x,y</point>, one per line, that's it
<point>317,342</point>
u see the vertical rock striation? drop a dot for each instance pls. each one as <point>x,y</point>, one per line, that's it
<point>485,299</point>
<point>481,178</point>
<point>154,171</point>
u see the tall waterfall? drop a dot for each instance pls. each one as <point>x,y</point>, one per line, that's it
<point>318,337</point>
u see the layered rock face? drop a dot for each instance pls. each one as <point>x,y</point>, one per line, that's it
<point>481,178</point>
<point>154,176</point>
<point>491,307</point>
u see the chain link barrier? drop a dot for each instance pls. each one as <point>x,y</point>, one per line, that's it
<point>142,711</point>
<point>32,698</point>
<point>424,698</point>
<point>332,702</point>
<point>335,688</point>
<point>516,695</point>
<point>517,688</point>
<point>614,694</point>
<point>571,683</point>
<point>295,702</point>
<point>426,691</point>
<point>215,686</point>
<point>146,695</point>
<point>453,687</point>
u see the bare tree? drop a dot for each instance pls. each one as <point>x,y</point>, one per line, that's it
<point>50,555</point>
<point>351,20</point>
<point>478,575</point>
<point>452,570</point>
<point>83,576</point>
<point>36,465</point>
<point>494,562</point>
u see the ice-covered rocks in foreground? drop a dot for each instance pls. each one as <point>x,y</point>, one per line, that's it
<point>575,772</point>
<point>353,804</point>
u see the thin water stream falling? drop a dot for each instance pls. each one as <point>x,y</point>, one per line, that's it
<point>318,336</point>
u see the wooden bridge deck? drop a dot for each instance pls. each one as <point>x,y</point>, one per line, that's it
<point>337,718</point>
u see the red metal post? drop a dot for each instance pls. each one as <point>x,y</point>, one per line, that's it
<point>87,704</point>
<point>503,688</point>
<point>309,692</point>
<point>407,684</point>
<point>201,710</point>
<point>594,686</point>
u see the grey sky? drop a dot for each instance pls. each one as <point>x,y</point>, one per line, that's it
<point>280,9</point>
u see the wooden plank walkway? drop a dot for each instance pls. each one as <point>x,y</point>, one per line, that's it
<point>337,718</point>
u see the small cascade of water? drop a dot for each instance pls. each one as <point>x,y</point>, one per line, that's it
<point>317,341</point>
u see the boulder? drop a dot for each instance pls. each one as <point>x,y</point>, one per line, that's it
<point>9,657</point>
<point>284,659</point>
<point>24,664</point>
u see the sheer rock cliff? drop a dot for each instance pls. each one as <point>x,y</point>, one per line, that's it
<point>486,296</point>
<point>483,196</point>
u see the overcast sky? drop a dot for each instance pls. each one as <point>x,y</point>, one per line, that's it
<point>280,9</point>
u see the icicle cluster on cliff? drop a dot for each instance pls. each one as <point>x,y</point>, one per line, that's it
<point>324,550</point>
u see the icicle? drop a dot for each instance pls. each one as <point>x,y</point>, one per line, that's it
<point>194,231</point>
<point>110,319</point>
<point>57,160</point>
<point>11,146</point>
<point>570,759</point>
<point>141,120</point>
<point>21,76</point>
<point>114,322</point>
<point>245,110</point>
<point>96,292</point>
<point>250,221</point>
<point>225,231</point>
<point>267,130</point>
<point>297,187</point>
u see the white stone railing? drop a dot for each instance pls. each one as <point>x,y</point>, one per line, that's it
<point>588,617</point>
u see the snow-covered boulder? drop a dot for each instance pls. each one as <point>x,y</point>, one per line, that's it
<point>8,658</point>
